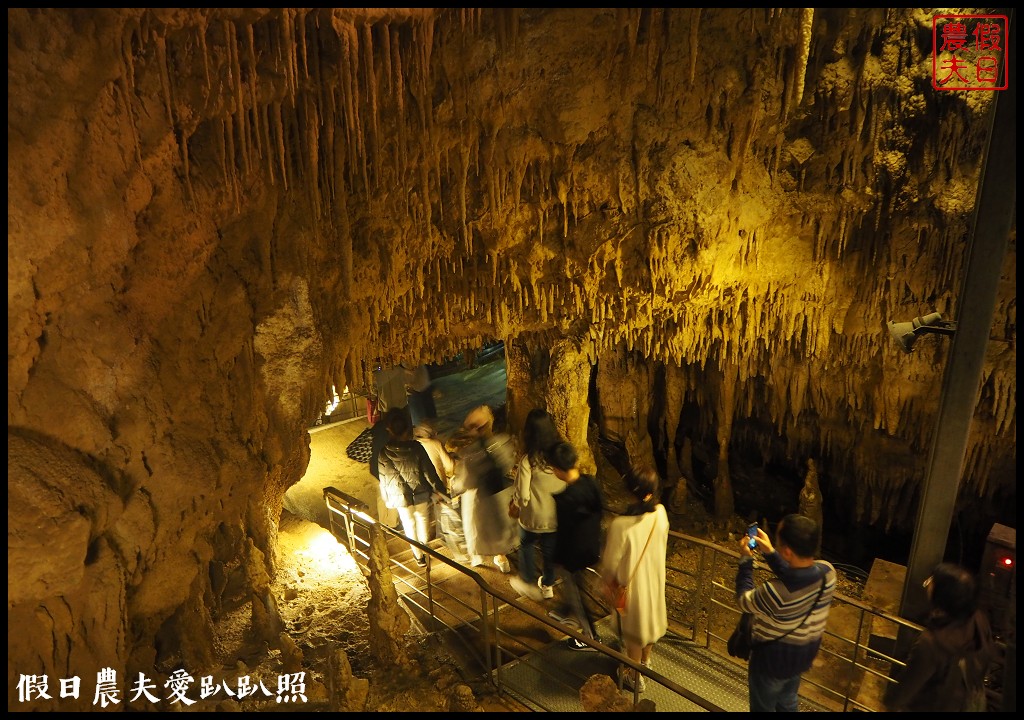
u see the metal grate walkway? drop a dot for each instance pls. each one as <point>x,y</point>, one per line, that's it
<point>488,625</point>
<point>550,679</point>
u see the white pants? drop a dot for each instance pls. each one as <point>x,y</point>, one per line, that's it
<point>416,524</point>
<point>385,515</point>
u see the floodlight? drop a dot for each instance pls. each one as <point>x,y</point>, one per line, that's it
<point>906,333</point>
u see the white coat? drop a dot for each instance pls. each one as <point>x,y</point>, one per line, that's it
<point>645,619</point>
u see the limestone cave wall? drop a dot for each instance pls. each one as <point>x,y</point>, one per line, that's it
<point>688,226</point>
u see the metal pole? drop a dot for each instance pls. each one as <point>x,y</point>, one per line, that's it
<point>994,212</point>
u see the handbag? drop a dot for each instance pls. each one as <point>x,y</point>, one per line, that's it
<point>493,480</point>
<point>741,642</point>
<point>615,592</point>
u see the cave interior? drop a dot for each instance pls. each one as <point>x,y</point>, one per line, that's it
<point>688,227</point>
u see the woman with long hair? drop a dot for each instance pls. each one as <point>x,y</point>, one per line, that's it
<point>951,657</point>
<point>634,558</point>
<point>535,488</point>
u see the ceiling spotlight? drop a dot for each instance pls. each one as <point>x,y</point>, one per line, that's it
<point>905,333</point>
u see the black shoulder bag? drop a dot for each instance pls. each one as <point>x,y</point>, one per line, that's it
<point>741,642</point>
<point>493,480</point>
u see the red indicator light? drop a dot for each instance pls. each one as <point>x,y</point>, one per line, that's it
<point>1007,562</point>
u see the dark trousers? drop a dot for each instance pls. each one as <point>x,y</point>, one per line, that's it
<point>527,562</point>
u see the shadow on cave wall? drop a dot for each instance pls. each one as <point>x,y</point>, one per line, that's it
<point>766,484</point>
<point>767,481</point>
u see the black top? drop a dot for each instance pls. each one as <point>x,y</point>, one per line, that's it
<point>380,439</point>
<point>932,680</point>
<point>578,540</point>
<point>407,474</point>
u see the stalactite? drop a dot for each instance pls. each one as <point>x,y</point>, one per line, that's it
<point>279,129</point>
<point>165,81</point>
<point>442,168</point>
<point>359,133</point>
<point>421,67</point>
<point>563,198</point>
<point>370,79</point>
<point>323,100</point>
<point>287,46</point>
<point>841,244</point>
<point>204,50</point>
<point>236,75</point>
<point>345,84</point>
<point>220,148</point>
<point>803,53</point>
<point>303,44</point>
<point>264,108</point>
<point>312,135</point>
<point>126,98</point>
<point>232,157</point>
<point>126,81</point>
<point>261,149</point>
<point>296,37</point>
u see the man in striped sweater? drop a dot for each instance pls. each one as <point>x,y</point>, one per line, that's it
<point>790,611</point>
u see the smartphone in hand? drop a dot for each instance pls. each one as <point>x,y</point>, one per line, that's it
<point>752,536</point>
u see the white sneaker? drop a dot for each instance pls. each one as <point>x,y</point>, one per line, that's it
<point>476,560</point>
<point>565,619</point>
<point>524,588</point>
<point>546,591</point>
<point>502,562</point>
<point>627,676</point>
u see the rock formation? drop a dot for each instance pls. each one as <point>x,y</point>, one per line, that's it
<point>389,620</point>
<point>347,693</point>
<point>600,694</point>
<point>810,499</point>
<point>216,216</point>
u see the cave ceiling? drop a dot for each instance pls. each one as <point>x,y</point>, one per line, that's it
<point>214,215</point>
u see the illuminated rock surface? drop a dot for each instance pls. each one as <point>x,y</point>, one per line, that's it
<point>214,215</point>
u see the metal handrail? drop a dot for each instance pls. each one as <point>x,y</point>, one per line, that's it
<point>705,599</point>
<point>709,595</point>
